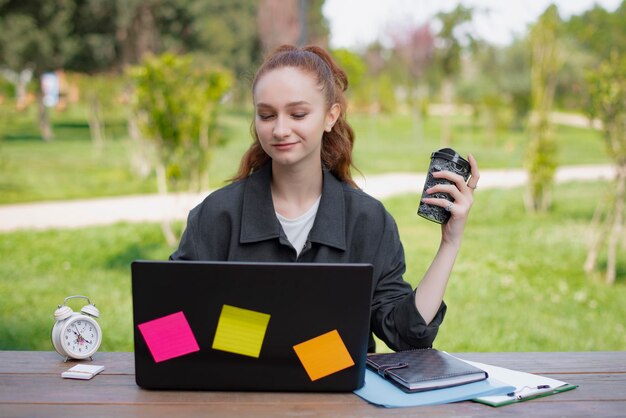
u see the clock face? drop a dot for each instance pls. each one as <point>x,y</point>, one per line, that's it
<point>80,337</point>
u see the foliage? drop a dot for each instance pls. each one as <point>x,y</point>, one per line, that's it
<point>486,86</point>
<point>541,155</point>
<point>177,107</point>
<point>359,91</point>
<point>317,26</point>
<point>225,32</point>
<point>36,37</point>
<point>607,89</point>
<point>599,31</point>
<point>451,36</point>
<point>516,79</point>
<point>416,48</point>
<point>294,22</point>
<point>102,94</point>
<point>386,96</point>
<point>90,36</point>
<point>607,94</point>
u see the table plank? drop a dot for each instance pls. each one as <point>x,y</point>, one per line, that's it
<point>31,385</point>
<point>531,362</point>
<point>466,409</point>
<point>554,362</point>
<point>44,362</point>
<point>119,389</point>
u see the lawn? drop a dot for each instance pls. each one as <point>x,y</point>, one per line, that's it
<point>518,283</point>
<point>70,167</point>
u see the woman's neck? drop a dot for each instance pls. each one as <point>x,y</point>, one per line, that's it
<point>294,191</point>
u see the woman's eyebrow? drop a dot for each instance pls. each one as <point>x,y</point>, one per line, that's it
<point>290,104</point>
<point>298,103</point>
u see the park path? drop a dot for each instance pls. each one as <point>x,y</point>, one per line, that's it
<point>154,208</point>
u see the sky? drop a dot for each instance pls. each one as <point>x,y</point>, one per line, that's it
<point>356,23</point>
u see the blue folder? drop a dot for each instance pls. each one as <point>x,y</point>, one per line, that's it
<point>381,392</point>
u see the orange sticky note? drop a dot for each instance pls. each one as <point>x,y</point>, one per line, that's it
<point>324,355</point>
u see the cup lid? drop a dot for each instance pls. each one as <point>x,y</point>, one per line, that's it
<point>450,155</point>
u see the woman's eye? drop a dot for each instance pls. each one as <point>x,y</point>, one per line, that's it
<point>265,117</point>
<point>298,115</point>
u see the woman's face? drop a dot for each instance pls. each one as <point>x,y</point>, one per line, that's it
<point>291,117</point>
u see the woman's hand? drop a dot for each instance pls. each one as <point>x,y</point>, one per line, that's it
<point>463,195</point>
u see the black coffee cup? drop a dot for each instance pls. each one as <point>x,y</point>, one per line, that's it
<point>442,160</point>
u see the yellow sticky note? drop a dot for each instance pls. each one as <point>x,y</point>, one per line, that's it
<point>324,355</point>
<point>240,331</point>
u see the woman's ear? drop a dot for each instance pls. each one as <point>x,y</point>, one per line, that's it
<point>332,116</point>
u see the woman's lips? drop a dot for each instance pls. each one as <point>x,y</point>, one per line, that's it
<point>284,146</point>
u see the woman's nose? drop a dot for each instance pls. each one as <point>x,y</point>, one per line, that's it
<point>281,128</point>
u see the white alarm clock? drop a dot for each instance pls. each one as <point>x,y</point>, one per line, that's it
<point>76,335</point>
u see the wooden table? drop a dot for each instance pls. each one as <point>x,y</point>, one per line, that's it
<point>31,386</point>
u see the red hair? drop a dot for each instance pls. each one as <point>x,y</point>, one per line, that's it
<point>337,144</point>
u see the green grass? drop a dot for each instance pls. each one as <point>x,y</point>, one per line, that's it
<point>70,167</point>
<point>517,285</point>
<point>396,143</point>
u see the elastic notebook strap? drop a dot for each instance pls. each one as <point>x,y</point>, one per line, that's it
<point>383,368</point>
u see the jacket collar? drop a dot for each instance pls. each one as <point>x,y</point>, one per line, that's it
<point>258,218</point>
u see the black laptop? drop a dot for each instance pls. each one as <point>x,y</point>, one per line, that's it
<point>250,326</point>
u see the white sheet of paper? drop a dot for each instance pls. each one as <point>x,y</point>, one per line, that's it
<point>525,383</point>
<point>82,371</point>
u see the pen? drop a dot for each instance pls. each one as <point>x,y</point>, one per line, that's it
<point>520,396</point>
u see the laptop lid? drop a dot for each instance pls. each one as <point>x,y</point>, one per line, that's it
<point>251,326</point>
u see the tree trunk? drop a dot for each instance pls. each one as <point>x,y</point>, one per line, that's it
<point>596,237</point>
<point>617,226</point>
<point>166,223</point>
<point>417,98</point>
<point>140,159</point>
<point>43,120</point>
<point>447,90</point>
<point>96,127</point>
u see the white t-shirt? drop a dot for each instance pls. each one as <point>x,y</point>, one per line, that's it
<point>297,229</point>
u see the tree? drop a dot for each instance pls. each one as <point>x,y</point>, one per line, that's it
<point>94,31</point>
<point>356,70</point>
<point>296,22</point>
<point>177,107</point>
<point>607,93</point>
<point>225,31</point>
<point>35,36</point>
<point>482,85</point>
<point>599,31</point>
<point>515,74</point>
<point>101,94</point>
<point>448,55</point>
<point>590,37</point>
<point>541,153</point>
<point>416,48</point>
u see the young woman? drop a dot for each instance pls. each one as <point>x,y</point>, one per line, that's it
<point>294,200</point>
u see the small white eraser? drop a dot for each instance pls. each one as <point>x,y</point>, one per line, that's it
<point>82,371</point>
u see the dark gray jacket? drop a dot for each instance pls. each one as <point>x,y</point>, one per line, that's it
<point>238,223</point>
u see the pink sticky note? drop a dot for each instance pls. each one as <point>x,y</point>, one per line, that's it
<point>169,337</point>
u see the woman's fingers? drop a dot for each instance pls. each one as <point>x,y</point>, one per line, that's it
<point>455,189</point>
<point>473,181</point>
